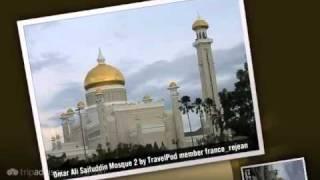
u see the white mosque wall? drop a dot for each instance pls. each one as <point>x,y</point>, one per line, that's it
<point>122,122</point>
<point>110,94</point>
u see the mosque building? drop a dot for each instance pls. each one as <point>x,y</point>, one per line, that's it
<point>108,118</point>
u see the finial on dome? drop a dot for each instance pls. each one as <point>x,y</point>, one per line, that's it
<point>198,15</point>
<point>101,58</point>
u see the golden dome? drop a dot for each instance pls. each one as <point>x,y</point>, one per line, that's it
<point>200,23</point>
<point>103,74</point>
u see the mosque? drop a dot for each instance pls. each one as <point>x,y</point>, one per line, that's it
<point>108,118</point>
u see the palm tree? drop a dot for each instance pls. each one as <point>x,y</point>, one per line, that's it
<point>186,107</point>
<point>208,106</point>
<point>214,114</point>
<point>199,110</point>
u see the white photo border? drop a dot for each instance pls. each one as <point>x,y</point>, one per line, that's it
<point>277,162</point>
<point>22,23</point>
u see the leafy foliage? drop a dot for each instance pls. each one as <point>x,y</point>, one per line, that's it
<point>236,112</point>
<point>238,105</point>
<point>185,108</point>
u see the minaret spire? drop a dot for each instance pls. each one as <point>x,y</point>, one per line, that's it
<point>101,58</point>
<point>206,66</point>
<point>198,15</point>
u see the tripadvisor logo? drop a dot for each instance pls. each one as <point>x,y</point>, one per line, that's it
<point>24,172</point>
<point>12,172</point>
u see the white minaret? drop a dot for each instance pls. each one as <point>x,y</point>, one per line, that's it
<point>177,118</point>
<point>206,64</point>
<point>66,127</point>
<point>205,61</point>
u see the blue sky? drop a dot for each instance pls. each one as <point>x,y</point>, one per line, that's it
<point>151,46</point>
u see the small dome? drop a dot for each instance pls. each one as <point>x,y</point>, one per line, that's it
<point>70,111</point>
<point>200,23</point>
<point>147,99</point>
<point>103,74</point>
<point>172,84</point>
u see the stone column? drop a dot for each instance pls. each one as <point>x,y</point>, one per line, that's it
<point>101,116</point>
<point>176,114</point>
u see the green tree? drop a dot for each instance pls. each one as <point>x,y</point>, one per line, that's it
<point>56,161</point>
<point>101,153</point>
<point>238,105</point>
<point>156,147</point>
<point>163,147</point>
<point>186,107</point>
<point>227,101</point>
<point>198,106</point>
<point>216,117</point>
<point>148,148</point>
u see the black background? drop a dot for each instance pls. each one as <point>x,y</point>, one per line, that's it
<point>285,58</point>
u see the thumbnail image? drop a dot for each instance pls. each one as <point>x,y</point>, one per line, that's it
<point>293,169</point>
